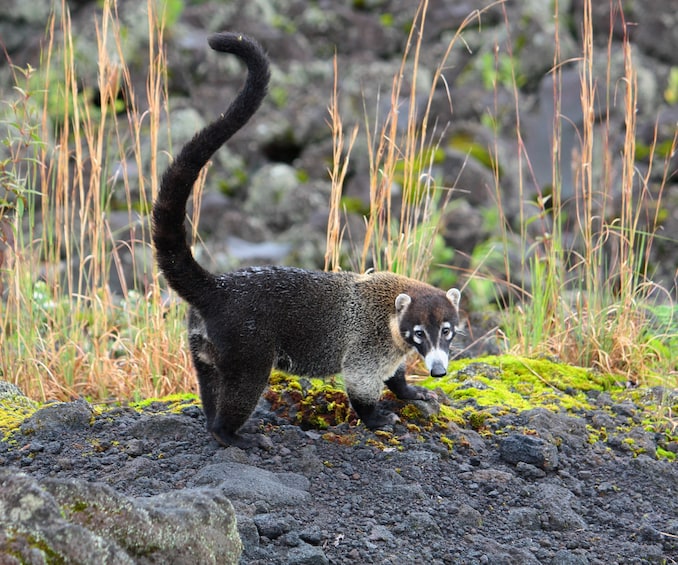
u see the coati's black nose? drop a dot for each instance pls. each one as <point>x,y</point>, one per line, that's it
<point>438,370</point>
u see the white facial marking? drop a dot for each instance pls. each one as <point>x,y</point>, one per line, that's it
<point>446,332</point>
<point>436,356</point>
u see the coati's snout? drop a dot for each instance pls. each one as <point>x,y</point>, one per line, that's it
<point>428,323</point>
<point>436,362</point>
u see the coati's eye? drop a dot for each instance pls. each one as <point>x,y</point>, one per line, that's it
<point>419,334</point>
<point>448,333</point>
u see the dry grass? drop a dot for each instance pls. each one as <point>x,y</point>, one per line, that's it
<point>588,307</point>
<point>399,236</point>
<point>67,335</point>
<point>340,160</point>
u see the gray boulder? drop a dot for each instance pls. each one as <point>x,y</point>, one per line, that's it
<point>73,521</point>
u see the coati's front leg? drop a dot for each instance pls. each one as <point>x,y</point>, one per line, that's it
<point>404,391</point>
<point>372,415</point>
<point>364,388</point>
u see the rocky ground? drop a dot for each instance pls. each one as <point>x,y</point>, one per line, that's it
<point>535,486</point>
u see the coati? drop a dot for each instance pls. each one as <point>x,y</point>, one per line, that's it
<point>313,323</point>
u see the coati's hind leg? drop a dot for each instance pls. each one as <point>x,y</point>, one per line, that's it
<point>209,394</point>
<point>229,388</point>
<point>228,400</point>
<point>404,391</point>
<point>372,415</point>
<point>214,403</point>
<point>203,354</point>
<point>237,398</point>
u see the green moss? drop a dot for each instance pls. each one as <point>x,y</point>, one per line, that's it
<point>480,392</point>
<point>14,409</point>
<point>279,95</point>
<point>665,454</point>
<point>354,205</point>
<point>323,406</point>
<point>671,91</point>
<point>421,163</point>
<point>78,506</point>
<point>411,412</point>
<point>311,403</point>
<point>661,149</point>
<point>477,419</point>
<point>447,442</point>
<point>171,11</point>
<point>284,24</point>
<point>484,389</point>
<point>513,383</point>
<point>633,446</point>
<point>237,178</point>
<point>44,551</point>
<point>450,414</point>
<point>172,403</point>
<point>386,20</point>
<point>279,380</point>
<point>596,434</point>
<point>465,143</point>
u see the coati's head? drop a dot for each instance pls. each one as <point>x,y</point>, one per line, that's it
<point>428,322</point>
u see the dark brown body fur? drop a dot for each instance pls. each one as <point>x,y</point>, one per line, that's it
<point>313,323</point>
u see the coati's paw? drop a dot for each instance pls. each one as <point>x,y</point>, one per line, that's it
<point>380,418</point>
<point>227,439</point>
<point>425,394</point>
<point>418,393</point>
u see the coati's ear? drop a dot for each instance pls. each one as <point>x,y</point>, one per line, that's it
<point>402,301</point>
<point>454,297</point>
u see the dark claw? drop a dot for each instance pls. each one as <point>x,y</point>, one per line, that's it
<point>418,393</point>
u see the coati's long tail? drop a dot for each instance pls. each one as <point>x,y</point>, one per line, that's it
<point>173,254</point>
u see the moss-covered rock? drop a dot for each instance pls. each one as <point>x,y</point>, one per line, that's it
<point>15,407</point>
